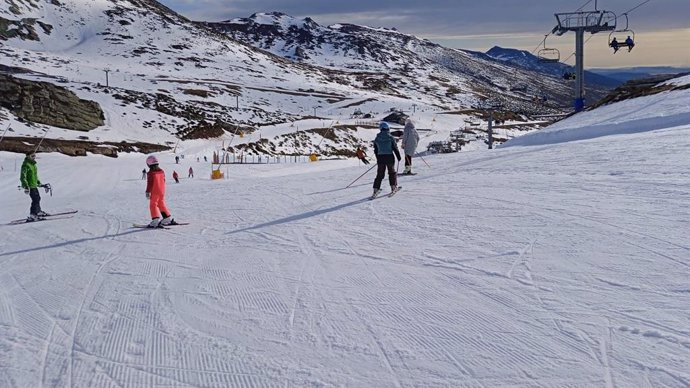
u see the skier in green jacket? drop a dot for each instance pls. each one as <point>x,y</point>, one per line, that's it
<point>30,184</point>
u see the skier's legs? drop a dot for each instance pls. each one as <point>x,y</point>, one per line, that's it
<point>163,208</point>
<point>153,206</point>
<point>392,175</point>
<point>408,161</point>
<point>35,201</point>
<point>380,173</point>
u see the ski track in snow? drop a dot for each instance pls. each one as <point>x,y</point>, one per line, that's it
<point>527,267</point>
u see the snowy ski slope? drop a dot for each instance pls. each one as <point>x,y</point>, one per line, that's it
<point>563,263</point>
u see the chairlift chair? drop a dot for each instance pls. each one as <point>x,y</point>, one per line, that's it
<point>616,44</point>
<point>547,54</point>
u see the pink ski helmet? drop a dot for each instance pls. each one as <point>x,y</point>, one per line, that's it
<point>151,160</point>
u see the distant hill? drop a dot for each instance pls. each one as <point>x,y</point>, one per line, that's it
<point>632,73</point>
<point>526,60</point>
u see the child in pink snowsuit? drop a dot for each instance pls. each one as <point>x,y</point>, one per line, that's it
<point>155,192</point>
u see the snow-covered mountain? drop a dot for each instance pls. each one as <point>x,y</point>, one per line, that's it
<point>169,80</point>
<point>157,73</point>
<point>408,62</point>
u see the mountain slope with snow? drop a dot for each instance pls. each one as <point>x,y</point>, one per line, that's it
<point>559,264</point>
<point>661,110</point>
<point>163,80</point>
<point>160,75</point>
<point>408,63</point>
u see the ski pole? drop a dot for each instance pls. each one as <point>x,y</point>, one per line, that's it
<point>41,142</point>
<point>360,176</point>
<point>420,157</point>
<point>4,132</point>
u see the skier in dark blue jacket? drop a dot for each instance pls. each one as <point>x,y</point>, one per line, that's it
<point>384,148</point>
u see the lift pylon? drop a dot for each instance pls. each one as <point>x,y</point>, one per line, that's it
<point>579,23</point>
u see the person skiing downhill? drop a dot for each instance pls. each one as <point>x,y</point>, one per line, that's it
<point>28,177</point>
<point>361,155</point>
<point>176,177</point>
<point>155,192</point>
<point>409,143</point>
<point>384,148</point>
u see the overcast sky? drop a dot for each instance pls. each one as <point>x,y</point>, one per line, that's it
<point>661,27</point>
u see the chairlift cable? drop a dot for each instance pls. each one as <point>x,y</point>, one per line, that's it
<point>636,7</point>
<point>583,5</point>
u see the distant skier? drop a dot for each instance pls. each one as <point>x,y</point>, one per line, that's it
<point>410,139</point>
<point>191,173</point>
<point>361,155</point>
<point>176,177</point>
<point>177,159</point>
<point>384,148</point>
<point>28,177</point>
<point>143,174</point>
<point>155,192</point>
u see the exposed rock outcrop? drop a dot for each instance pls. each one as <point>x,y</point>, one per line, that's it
<point>24,145</point>
<point>24,29</point>
<point>45,103</point>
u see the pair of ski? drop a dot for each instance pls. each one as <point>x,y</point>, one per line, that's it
<point>392,193</point>
<point>47,217</point>
<point>147,226</point>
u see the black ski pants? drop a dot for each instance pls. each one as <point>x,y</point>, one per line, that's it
<point>385,163</point>
<point>35,201</point>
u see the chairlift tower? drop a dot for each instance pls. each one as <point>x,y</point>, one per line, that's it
<point>490,107</point>
<point>581,22</point>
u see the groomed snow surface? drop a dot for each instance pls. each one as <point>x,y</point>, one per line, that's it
<point>562,264</point>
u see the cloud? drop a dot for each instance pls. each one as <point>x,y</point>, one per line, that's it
<point>431,14</point>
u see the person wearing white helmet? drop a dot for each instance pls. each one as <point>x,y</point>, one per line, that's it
<point>155,192</point>
<point>384,148</point>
